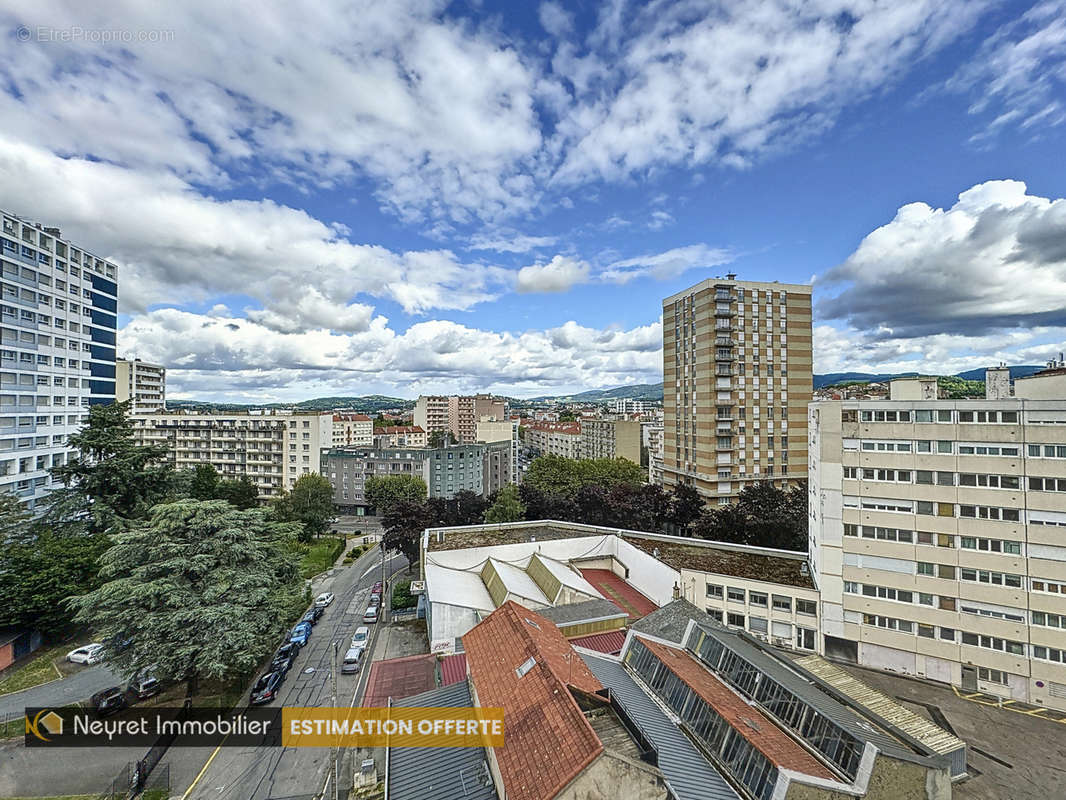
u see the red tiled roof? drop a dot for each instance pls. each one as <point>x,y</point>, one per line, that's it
<point>403,429</point>
<point>619,592</point>
<point>548,740</point>
<point>453,669</point>
<point>746,720</point>
<point>398,678</point>
<point>607,642</point>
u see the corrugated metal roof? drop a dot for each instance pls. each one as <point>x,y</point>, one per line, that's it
<point>607,642</point>
<point>429,773</point>
<point>452,669</point>
<point>690,775</point>
<point>929,734</point>
<point>576,613</point>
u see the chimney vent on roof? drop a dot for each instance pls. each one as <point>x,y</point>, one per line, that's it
<point>804,569</point>
<point>655,552</point>
<point>525,666</point>
<point>730,276</point>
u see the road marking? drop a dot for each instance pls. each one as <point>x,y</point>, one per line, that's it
<point>206,765</point>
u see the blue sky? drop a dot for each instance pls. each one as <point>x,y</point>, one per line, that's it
<point>422,196</point>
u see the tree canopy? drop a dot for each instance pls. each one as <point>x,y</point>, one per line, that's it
<point>200,589</point>
<point>403,523</point>
<point>506,507</point>
<point>310,503</point>
<point>109,480</point>
<point>763,515</point>
<point>384,491</point>
<point>552,474</point>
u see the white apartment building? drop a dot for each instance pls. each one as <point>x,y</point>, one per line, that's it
<point>653,440</point>
<point>57,350</point>
<point>627,405</point>
<point>555,438</point>
<point>144,385</point>
<point>935,533</point>
<point>273,448</point>
<point>353,430</point>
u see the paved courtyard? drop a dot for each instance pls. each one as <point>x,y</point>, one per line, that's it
<point>1012,756</point>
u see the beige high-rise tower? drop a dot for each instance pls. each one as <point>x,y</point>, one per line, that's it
<point>736,383</point>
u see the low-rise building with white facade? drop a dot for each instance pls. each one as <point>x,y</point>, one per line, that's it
<point>353,430</point>
<point>554,438</point>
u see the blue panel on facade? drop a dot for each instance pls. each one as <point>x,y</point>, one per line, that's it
<point>101,401</point>
<point>104,285</point>
<point>104,320</point>
<point>102,387</point>
<point>102,353</point>
<point>102,301</point>
<point>102,370</point>
<point>100,335</point>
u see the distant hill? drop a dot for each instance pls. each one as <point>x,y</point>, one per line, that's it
<point>640,391</point>
<point>834,378</point>
<point>370,404</point>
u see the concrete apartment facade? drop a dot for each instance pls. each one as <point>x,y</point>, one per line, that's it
<point>271,448</point>
<point>653,440</point>
<point>348,469</point>
<point>491,431</point>
<point>934,534</point>
<point>144,385</point>
<point>57,331</point>
<point>352,430</point>
<point>555,438</point>
<point>458,414</point>
<point>627,405</point>
<point>610,438</point>
<point>737,379</point>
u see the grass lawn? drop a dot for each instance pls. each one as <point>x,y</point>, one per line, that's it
<point>40,669</point>
<point>16,729</point>
<point>319,555</point>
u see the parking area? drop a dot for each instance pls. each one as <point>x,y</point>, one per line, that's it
<point>1011,754</point>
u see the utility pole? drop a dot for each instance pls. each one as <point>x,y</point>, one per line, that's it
<point>381,607</point>
<point>334,772</point>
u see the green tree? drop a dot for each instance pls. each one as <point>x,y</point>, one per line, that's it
<point>507,507</point>
<point>402,524</point>
<point>201,589</point>
<point>310,503</point>
<point>556,475</point>
<point>39,571</point>
<point>204,482</point>
<point>685,507</point>
<point>110,480</point>
<point>384,491</point>
<point>763,515</point>
<point>240,493</point>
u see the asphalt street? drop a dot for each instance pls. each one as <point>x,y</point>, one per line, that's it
<point>80,685</point>
<point>260,773</point>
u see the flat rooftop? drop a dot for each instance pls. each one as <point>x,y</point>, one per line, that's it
<point>743,563</point>
<point>484,536</point>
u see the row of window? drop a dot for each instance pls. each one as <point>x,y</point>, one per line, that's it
<point>780,602</point>
<point>942,415</point>
<point>945,540</point>
<point>946,634</point>
<point>945,447</point>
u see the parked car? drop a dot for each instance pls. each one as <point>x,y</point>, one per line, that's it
<point>360,638</point>
<point>284,658</point>
<point>309,618</point>
<point>90,654</point>
<point>324,599</point>
<point>300,634</point>
<point>371,615</point>
<point>376,588</point>
<point>109,701</point>
<point>375,598</point>
<point>353,661</point>
<point>318,611</point>
<point>143,685</point>
<point>266,688</point>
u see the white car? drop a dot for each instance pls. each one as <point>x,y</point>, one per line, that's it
<point>90,654</point>
<point>324,599</point>
<point>360,638</point>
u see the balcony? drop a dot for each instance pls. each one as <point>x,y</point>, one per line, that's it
<point>722,355</point>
